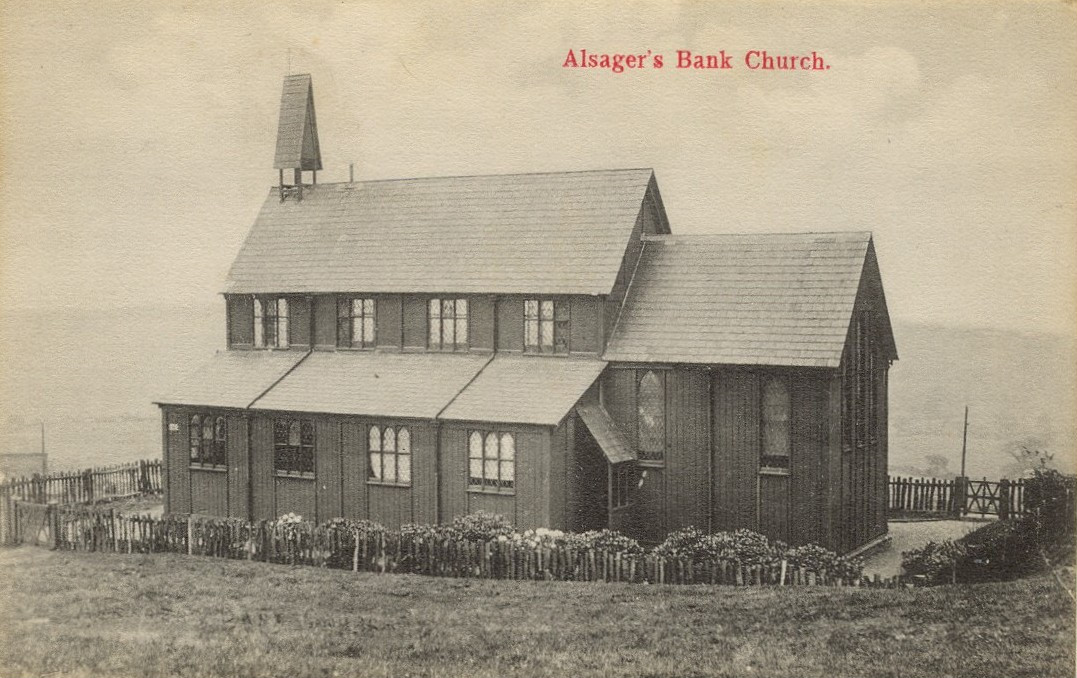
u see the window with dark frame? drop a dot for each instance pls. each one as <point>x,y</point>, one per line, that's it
<point>774,423</point>
<point>271,322</point>
<point>625,479</point>
<point>491,461</point>
<point>293,446</point>
<point>209,440</point>
<point>651,415</point>
<point>546,325</point>
<point>447,323</point>
<point>355,322</point>
<point>389,455</point>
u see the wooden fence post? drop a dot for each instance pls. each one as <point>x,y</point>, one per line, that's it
<point>960,495</point>
<point>1003,499</point>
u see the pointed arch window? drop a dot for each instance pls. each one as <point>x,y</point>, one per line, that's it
<point>651,411</point>
<point>389,452</point>
<point>774,420</point>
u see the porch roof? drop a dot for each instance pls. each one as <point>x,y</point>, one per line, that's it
<point>515,389</point>
<point>412,385</point>
<point>608,436</point>
<point>232,378</point>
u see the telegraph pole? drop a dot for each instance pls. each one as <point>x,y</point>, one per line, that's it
<point>964,441</point>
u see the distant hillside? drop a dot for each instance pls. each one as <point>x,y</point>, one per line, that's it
<point>1021,389</point>
<point>92,377</point>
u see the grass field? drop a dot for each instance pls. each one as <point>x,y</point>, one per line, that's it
<point>114,615</point>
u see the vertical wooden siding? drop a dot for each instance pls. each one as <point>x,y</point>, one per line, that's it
<point>414,310</point>
<point>561,492</point>
<point>177,460</point>
<point>510,323</point>
<point>389,320</point>
<point>353,469</point>
<point>263,489</point>
<point>774,507</point>
<point>481,320</point>
<point>238,467</point>
<point>736,449</point>
<point>586,325</point>
<point>240,310</point>
<point>325,321</point>
<point>327,469</point>
<point>807,478</point>
<point>209,492</point>
<point>687,449</point>
<point>295,495</point>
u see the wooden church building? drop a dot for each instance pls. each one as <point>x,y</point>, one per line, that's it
<point>539,346</point>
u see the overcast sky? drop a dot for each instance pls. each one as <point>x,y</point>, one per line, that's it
<point>138,137</point>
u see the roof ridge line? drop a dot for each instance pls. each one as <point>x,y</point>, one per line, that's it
<point>663,237</point>
<point>466,386</point>
<point>280,378</point>
<point>481,176</point>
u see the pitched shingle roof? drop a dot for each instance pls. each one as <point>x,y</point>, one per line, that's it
<point>778,299</point>
<point>525,390</point>
<point>415,385</point>
<point>232,378</point>
<point>561,233</point>
<point>297,129</point>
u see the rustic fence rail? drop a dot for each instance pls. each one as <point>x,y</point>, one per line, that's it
<point>957,497</point>
<point>78,487</point>
<point>84,528</point>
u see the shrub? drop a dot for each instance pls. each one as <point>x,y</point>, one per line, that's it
<point>1005,549</point>
<point>813,558</point>
<point>605,540</point>
<point>482,526</point>
<point>936,562</point>
<point>1049,506</point>
<point>684,543</point>
<point>744,546</point>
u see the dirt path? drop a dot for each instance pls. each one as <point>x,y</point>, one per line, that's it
<point>911,535</point>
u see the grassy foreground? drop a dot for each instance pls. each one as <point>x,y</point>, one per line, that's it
<point>69,614</point>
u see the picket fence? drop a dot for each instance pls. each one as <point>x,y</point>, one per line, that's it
<point>79,487</point>
<point>956,497</point>
<point>83,528</point>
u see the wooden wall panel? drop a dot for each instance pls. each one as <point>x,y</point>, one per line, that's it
<point>649,510</point>
<point>882,460</point>
<point>299,310</point>
<point>619,399</point>
<point>296,495</point>
<point>327,468</point>
<point>263,489</point>
<point>240,310</point>
<point>414,309</point>
<point>353,470</point>
<point>808,437</point>
<point>687,449</point>
<point>177,460</point>
<point>424,473</point>
<point>389,319</point>
<point>325,321</point>
<point>209,492</point>
<point>481,321</point>
<point>510,323</point>
<point>561,490</point>
<point>833,467</point>
<point>454,501</point>
<point>389,506</point>
<point>238,468</point>
<point>736,449</point>
<point>585,319</point>
<point>774,507</point>
<point>531,505</point>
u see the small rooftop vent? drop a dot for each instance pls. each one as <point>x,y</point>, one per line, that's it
<point>297,135</point>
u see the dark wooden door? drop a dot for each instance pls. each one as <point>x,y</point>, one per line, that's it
<point>773,508</point>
